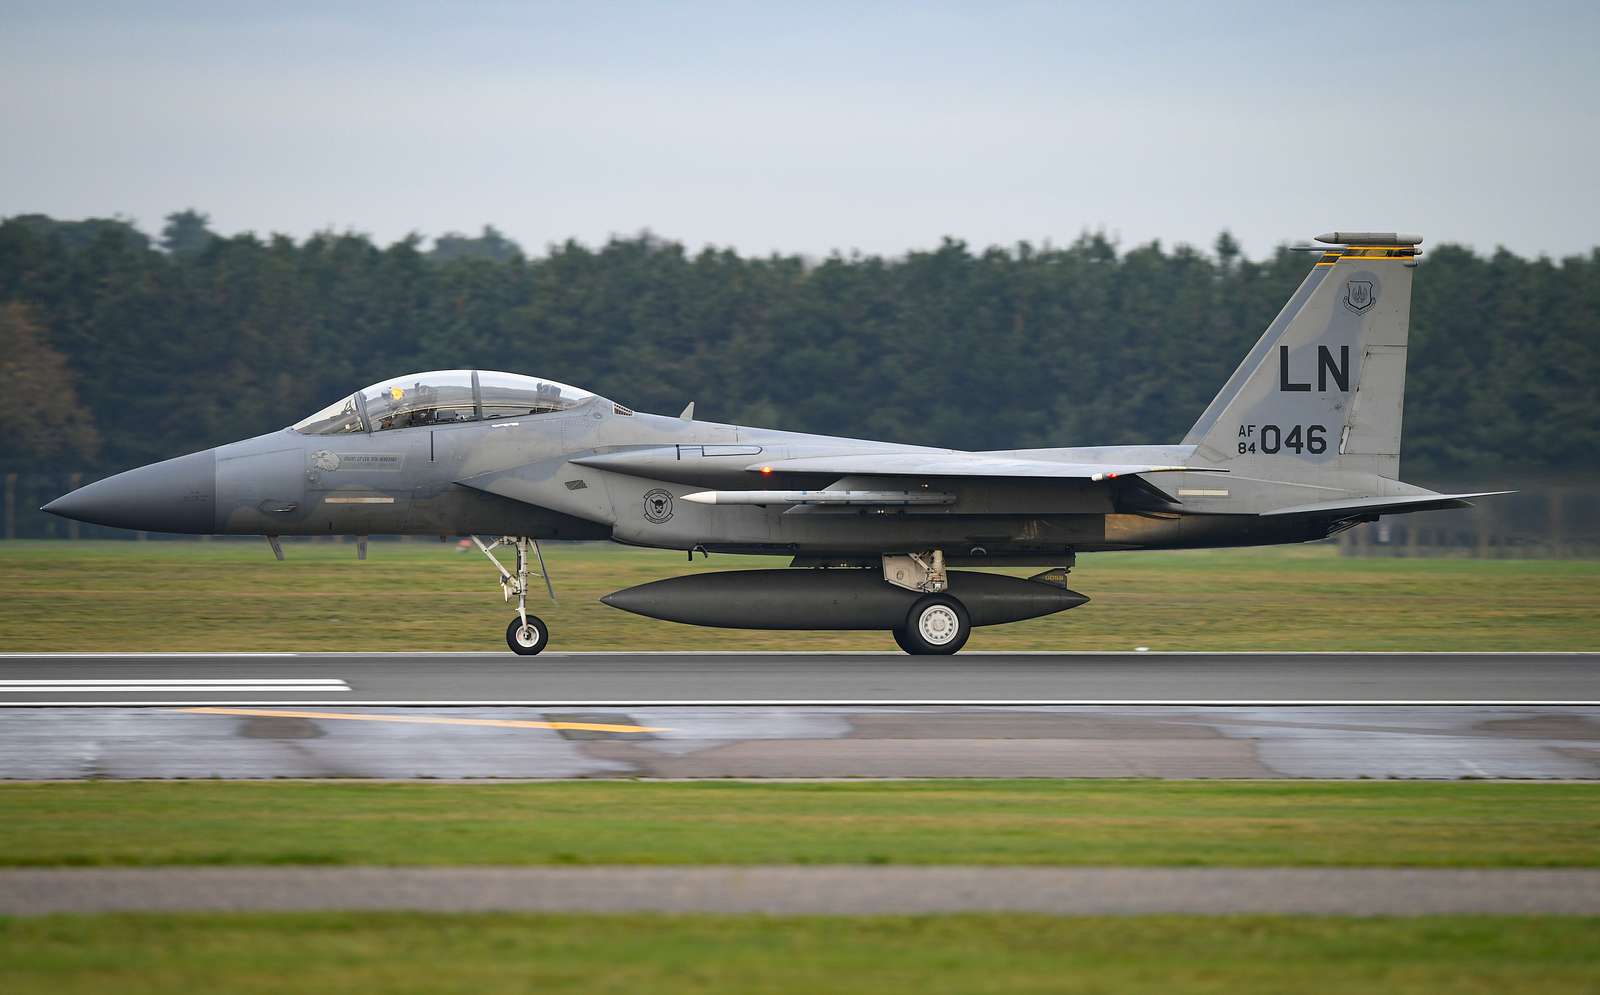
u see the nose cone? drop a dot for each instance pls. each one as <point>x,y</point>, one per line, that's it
<point>632,599</point>
<point>178,495</point>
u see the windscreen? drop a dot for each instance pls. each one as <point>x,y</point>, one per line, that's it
<point>339,418</point>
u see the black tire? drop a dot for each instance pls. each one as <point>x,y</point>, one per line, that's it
<point>540,636</point>
<point>900,640</point>
<point>937,625</point>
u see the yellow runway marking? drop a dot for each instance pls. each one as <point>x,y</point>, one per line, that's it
<point>432,720</point>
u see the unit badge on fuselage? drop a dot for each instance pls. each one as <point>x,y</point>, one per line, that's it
<point>658,506</point>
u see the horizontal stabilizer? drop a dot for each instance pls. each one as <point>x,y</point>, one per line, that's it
<point>1385,505</point>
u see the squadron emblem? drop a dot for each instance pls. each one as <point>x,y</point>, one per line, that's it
<point>325,459</point>
<point>1358,295</point>
<point>657,506</point>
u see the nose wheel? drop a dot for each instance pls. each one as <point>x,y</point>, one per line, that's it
<point>527,635</point>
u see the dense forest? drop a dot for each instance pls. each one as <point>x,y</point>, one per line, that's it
<point>119,348</point>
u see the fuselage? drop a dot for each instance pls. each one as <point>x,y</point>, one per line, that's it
<point>598,471</point>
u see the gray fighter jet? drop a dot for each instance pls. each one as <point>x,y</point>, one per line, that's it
<point>1302,442</point>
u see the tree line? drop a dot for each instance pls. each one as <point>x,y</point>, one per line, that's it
<point>118,349</point>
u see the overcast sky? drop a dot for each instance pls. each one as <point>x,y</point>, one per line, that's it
<point>810,127</point>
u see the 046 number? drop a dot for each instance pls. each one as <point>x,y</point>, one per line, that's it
<point>1311,439</point>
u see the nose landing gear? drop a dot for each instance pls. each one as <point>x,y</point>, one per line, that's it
<point>527,635</point>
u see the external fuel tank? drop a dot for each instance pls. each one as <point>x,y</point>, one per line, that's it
<point>805,598</point>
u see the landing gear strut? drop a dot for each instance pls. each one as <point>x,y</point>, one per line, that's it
<point>527,634</point>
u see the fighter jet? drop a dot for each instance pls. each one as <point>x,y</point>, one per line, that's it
<point>1302,442</point>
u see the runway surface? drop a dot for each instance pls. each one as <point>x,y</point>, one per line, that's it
<point>810,741</point>
<point>590,679</point>
<point>813,890</point>
<point>406,715</point>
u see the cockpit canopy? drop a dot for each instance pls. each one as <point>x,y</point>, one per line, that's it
<point>443,397</point>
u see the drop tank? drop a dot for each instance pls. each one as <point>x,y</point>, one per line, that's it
<point>802,598</point>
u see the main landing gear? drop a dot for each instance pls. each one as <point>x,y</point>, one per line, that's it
<point>527,634</point>
<point>937,624</point>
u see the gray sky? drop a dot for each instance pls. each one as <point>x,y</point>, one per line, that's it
<point>816,126</point>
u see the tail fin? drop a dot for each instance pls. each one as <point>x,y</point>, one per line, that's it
<point>1321,393</point>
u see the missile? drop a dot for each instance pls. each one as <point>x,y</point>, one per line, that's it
<point>822,497</point>
<point>847,598</point>
<point>1369,238</point>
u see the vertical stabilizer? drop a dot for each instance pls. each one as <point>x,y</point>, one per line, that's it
<point>1297,300</point>
<point>1321,394</point>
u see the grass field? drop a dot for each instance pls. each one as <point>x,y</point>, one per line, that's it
<point>155,596</point>
<point>403,952</point>
<point>1097,822</point>
<point>172,596</point>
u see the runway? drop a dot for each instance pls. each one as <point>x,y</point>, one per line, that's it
<point>406,715</point>
<point>628,679</point>
<point>802,741</point>
<point>838,890</point>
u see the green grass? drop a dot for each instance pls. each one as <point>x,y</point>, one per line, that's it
<point>405,952</point>
<point>168,596</point>
<point>1255,823</point>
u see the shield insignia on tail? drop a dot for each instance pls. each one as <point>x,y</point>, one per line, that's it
<point>1358,295</point>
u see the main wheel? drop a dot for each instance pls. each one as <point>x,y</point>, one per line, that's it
<point>527,640</point>
<point>937,625</point>
<point>900,640</point>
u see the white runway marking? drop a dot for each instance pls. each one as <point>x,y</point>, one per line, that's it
<point>177,685</point>
<point>140,656</point>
